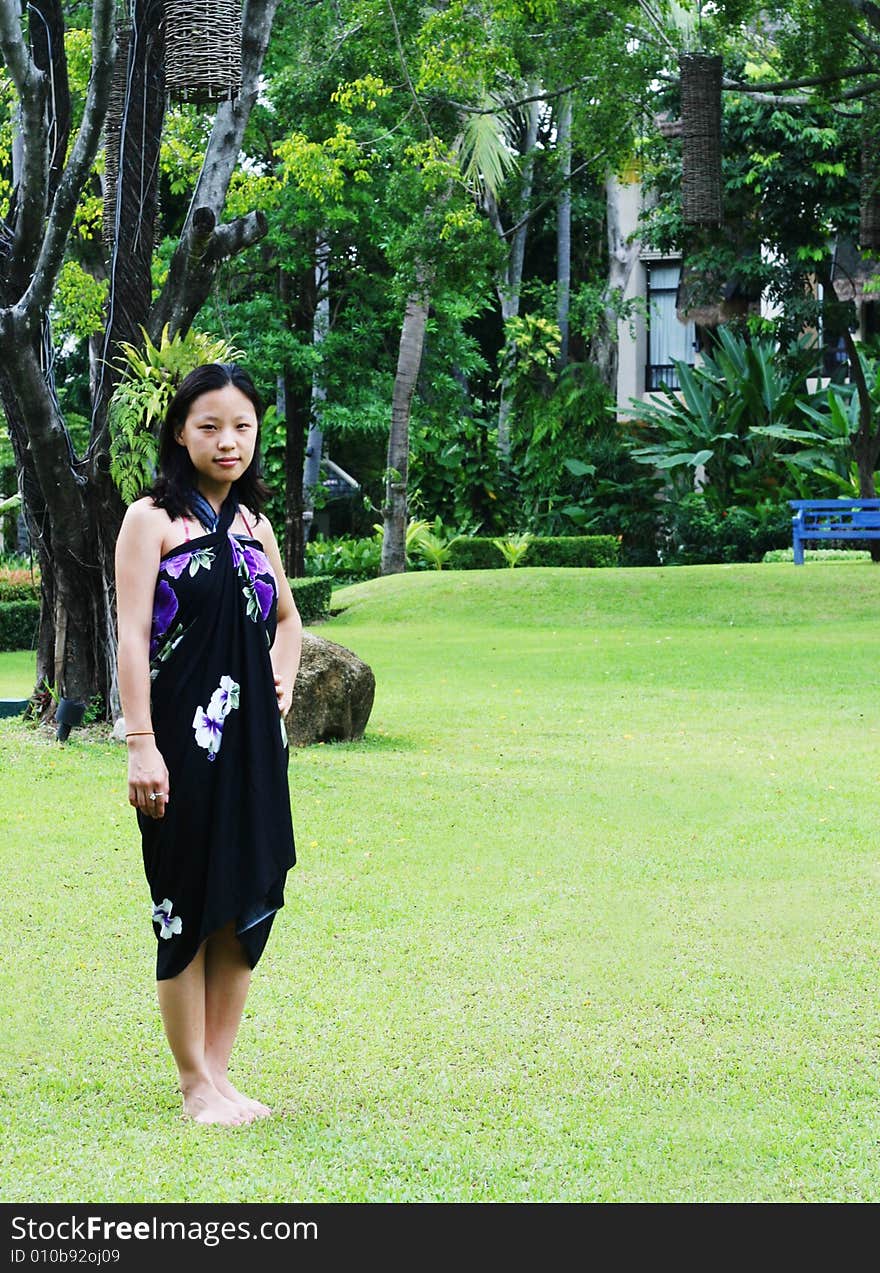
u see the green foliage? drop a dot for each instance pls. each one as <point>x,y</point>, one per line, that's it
<point>612,494</point>
<point>827,451</point>
<point>514,549</point>
<point>731,420</point>
<point>140,401</point>
<point>790,186</point>
<point>550,423</point>
<point>348,560</point>
<point>474,552</point>
<point>432,543</point>
<point>79,301</point>
<point>17,585</point>
<point>19,623</point>
<point>700,532</point>
<point>818,554</point>
<point>312,597</point>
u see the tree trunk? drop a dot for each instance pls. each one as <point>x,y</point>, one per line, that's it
<point>73,652</point>
<point>71,507</point>
<point>510,287</point>
<point>394,511</point>
<point>563,226</point>
<point>622,255</point>
<point>295,418</point>
<point>320,326</point>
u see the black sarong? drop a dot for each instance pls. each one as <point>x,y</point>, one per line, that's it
<point>224,847</point>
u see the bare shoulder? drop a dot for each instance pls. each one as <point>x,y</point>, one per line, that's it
<point>144,527</point>
<point>262,528</point>
<point>143,513</point>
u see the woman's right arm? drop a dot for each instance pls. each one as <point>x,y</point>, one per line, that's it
<point>138,553</point>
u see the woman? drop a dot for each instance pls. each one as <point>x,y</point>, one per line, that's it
<point>209,647</point>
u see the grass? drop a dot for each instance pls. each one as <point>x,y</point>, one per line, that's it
<point>17,674</point>
<point>590,914</point>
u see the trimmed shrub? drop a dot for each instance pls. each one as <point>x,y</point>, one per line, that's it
<point>574,550</point>
<point>17,585</point>
<point>19,622</point>
<point>312,597</point>
<point>478,553</point>
<point>818,554</point>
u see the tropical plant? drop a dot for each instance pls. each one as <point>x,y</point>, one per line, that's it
<point>514,548</point>
<point>350,559</point>
<point>729,419</point>
<point>828,447</point>
<point>150,379</point>
<point>432,543</point>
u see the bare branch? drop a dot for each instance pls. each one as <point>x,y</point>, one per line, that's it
<point>402,57</point>
<point>868,10</point>
<point>30,84</point>
<point>873,46</point>
<point>810,81</point>
<point>543,96</point>
<point>13,46</point>
<point>47,43</point>
<point>201,250</point>
<point>237,235</point>
<point>36,299</point>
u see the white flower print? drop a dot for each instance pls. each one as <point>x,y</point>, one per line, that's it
<point>208,722</point>
<point>224,699</point>
<point>162,917</point>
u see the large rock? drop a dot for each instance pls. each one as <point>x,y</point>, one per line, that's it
<point>333,694</point>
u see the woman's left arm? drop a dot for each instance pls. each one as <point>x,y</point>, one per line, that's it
<point>287,646</point>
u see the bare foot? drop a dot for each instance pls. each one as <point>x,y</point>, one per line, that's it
<point>203,1103</point>
<point>256,1109</point>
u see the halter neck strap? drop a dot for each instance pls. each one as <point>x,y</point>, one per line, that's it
<point>212,521</point>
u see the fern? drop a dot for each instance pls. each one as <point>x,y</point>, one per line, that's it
<point>150,379</point>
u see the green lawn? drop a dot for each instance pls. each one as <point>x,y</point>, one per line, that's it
<point>590,914</point>
<point>17,674</point>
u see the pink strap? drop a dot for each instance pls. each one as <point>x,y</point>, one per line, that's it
<point>246,522</point>
<point>186,527</point>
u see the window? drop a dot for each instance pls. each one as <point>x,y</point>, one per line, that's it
<point>669,339</point>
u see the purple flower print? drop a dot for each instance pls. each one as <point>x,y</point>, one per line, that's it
<point>208,722</point>
<point>265,596</point>
<point>175,566</point>
<point>164,610</point>
<point>162,916</point>
<point>250,564</point>
<point>256,561</point>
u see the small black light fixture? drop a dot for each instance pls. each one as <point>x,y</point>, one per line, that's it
<point>68,714</point>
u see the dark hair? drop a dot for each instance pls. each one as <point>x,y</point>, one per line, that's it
<point>176,477</point>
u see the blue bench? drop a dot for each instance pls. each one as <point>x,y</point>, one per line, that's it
<point>833,519</point>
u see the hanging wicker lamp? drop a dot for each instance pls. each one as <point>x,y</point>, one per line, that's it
<point>701,138</point>
<point>869,202</point>
<point>202,50</point>
<point>113,134</point>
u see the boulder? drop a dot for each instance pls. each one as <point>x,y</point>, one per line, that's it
<point>332,697</point>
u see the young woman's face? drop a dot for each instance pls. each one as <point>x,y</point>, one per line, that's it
<point>220,434</point>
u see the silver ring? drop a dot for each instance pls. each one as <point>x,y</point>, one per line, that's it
<point>154,795</point>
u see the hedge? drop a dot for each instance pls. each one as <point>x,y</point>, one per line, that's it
<point>477,553</point>
<point>312,597</point>
<point>19,622</point>
<point>10,591</point>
